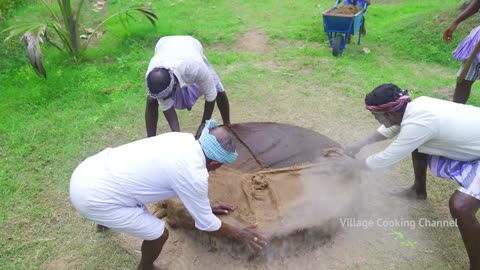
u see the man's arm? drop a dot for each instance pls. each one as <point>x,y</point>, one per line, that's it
<point>410,138</point>
<point>207,114</point>
<point>194,196</point>
<point>469,11</point>
<point>172,119</point>
<point>355,148</point>
<point>247,235</point>
<point>151,116</point>
<point>198,72</point>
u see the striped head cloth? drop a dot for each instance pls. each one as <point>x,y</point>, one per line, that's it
<point>391,106</point>
<point>212,148</point>
<point>165,92</point>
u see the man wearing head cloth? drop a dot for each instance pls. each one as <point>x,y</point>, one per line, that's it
<point>178,74</point>
<point>112,187</point>
<point>448,134</point>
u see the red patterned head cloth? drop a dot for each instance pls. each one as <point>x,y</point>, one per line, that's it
<point>391,106</point>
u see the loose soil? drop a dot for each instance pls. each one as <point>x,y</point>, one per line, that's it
<point>345,10</point>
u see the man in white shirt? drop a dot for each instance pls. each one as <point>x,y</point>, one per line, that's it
<point>178,74</point>
<point>112,187</point>
<point>446,131</point>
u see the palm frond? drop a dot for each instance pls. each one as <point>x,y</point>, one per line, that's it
<point>145,10</point>
<point>78,12</point>
<point>32,41</point>
<point>54,15</point>
<point>18,29</point>
<point>64,36</point>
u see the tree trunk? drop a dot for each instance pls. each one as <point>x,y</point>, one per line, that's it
<point>465,5</point>
<point>72,26</point>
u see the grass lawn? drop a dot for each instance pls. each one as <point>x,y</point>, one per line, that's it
<point>275,64</point>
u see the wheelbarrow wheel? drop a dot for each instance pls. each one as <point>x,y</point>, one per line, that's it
<point>337,43</point>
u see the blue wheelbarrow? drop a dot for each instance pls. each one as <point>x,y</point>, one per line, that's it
<point>339,27</point>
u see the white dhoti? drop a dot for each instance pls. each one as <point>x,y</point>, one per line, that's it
<point>91,194</point>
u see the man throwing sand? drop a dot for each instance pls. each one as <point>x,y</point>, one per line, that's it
<point>449,132</point>
<point>112,187</point>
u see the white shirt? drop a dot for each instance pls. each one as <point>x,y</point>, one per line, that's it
<point>435,127</point>
<point>158,168</point>
<point>184,55</point>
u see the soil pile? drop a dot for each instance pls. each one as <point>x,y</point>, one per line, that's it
<point>288,204</point>
<point>346,10</point>
<point>281,181</point>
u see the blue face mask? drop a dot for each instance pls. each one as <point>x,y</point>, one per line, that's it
<point>212,148</point>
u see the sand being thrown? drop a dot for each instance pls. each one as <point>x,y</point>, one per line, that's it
<point>295,207</point>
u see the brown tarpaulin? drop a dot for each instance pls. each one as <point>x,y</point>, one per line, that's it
<point>273,145</point>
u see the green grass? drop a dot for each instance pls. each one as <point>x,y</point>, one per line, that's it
<point>49,126</point>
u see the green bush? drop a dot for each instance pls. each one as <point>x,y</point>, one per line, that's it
<point>6,5</point>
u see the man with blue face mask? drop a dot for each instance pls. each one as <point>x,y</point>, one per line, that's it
<point>112,187</point>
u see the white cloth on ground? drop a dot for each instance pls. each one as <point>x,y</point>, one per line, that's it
<point>435,127</point>
<point>112,187</point>
<point>183,54</point>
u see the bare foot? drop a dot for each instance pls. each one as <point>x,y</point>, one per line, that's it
<point>101,228</point>
<point>410,193</point>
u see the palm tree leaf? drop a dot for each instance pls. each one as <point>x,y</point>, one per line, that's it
<point>19,29</point>
<point>148,13</point>
<point>64,36</point>
<point>146,10</point>
<point>32,41</point>
<point>64,14</point>
<point>78,12</point>
<point>51,11</point>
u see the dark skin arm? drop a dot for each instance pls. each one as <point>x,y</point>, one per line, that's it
<point>355,148</point>
<point>172,119</point>
<point>151,116</point>
<point>221,208</point>
<point>223,107</point>
<point>247,235</point>
<point>207,114</point>
<point>469,11</point>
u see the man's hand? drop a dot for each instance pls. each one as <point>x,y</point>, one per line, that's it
<point>448,34</point>
<point>199,130</point>
<point>222,208</point>
<point>351,151</point>
<point>252,238</point>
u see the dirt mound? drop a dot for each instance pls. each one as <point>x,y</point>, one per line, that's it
<point>281,181</point>
<point>280,202</point>
<point>345,10</point>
